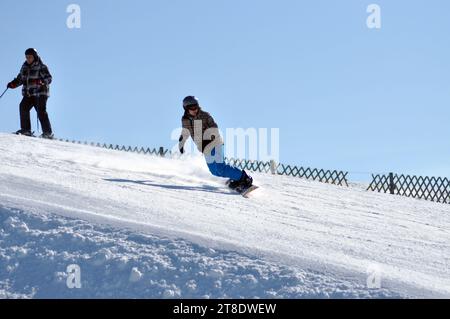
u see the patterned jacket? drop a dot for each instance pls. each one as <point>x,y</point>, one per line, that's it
<point>202,129</point>
<point>35,78</point>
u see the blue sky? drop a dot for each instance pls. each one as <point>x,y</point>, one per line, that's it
<point>343,96</point>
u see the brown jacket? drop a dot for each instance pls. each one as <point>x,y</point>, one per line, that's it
<point>202,129</point>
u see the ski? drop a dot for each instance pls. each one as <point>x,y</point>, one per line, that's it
<point>28,135</point>
<point>48,137</point>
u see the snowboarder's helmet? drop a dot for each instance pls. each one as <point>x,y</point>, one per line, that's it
<point>32,52</point>
<point>190,101</point>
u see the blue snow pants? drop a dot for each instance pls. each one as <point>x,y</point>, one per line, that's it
<point>218,167</point>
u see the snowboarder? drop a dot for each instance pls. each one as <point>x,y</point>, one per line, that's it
<point>203,130</point>
<point>35,79</point>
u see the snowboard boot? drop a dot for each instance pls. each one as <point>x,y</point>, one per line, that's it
<point>245,182</point>
<point>232,184</point>
<point>48,136</point>
<point>24,132</point>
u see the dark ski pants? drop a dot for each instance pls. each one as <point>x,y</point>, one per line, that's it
<point>40,104</point>
<point>218,167</point>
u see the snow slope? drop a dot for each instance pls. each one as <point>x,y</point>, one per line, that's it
<point>142,226</point>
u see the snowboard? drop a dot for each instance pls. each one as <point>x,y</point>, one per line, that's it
<point>245,192</point>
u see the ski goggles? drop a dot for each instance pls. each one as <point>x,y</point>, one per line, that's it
<point>192,107</point>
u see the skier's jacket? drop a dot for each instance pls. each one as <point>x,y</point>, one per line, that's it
<point>35,78</point>
<point>202,129</point>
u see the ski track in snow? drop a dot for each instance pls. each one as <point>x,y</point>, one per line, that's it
<point>142,226</point>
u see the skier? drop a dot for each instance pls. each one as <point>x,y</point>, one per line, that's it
<point>35,78</point>
<point>200,126</point>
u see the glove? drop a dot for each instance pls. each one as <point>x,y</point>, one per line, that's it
<point>182,150</point>
<point>11,85</point>
<point>38,82</point>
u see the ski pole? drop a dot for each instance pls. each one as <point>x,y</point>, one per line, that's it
<point>3,93</point>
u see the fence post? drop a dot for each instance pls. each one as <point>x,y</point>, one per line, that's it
<point>391,183</point>
<point>161,151</point>
<point>273,167</point>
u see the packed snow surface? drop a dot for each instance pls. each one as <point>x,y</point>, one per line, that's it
<point>148,227</point>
